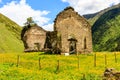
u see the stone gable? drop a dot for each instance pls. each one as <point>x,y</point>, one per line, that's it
<point>69,23</point>
<point>34,39</point>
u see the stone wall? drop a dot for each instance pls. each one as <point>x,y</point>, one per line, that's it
<point>69,22</point>
<point>34,38</point>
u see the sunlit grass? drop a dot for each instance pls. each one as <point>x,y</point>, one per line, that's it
<point>28,67</point>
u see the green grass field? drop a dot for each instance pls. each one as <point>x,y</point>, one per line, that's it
<point>29,67</point>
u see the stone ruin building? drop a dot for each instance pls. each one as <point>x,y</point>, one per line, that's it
<point>72,34</point>
<point>34,39</point>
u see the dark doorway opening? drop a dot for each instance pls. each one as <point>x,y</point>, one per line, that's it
<point>72,46</point>
<point>37,46</point>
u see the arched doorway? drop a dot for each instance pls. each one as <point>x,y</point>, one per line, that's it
<point>72,46</point>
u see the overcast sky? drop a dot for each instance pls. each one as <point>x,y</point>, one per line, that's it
<point>45,11</point>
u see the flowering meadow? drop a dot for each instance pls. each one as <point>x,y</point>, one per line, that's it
<point>39,66</point>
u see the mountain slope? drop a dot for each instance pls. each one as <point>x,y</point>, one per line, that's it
<point>106,31</point>
<point>93,17</point>
<point>9,36</point>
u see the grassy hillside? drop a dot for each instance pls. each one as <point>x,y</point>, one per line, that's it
<point>9,36</point>
<point>106,31</point>
<point>28,68</point>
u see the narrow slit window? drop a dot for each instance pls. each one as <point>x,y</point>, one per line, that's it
<point>85,45</point>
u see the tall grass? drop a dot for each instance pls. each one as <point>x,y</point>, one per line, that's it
<point>28,68</point>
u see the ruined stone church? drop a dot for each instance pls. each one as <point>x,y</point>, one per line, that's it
<point>72,34</point>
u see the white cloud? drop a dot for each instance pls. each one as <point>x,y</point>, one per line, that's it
<point>48,27</point>
<point>19,11</point>
<point>90,6</point>
<point>0,1</point>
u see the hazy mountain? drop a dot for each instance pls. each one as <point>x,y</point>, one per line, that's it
<point>93,17</point>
